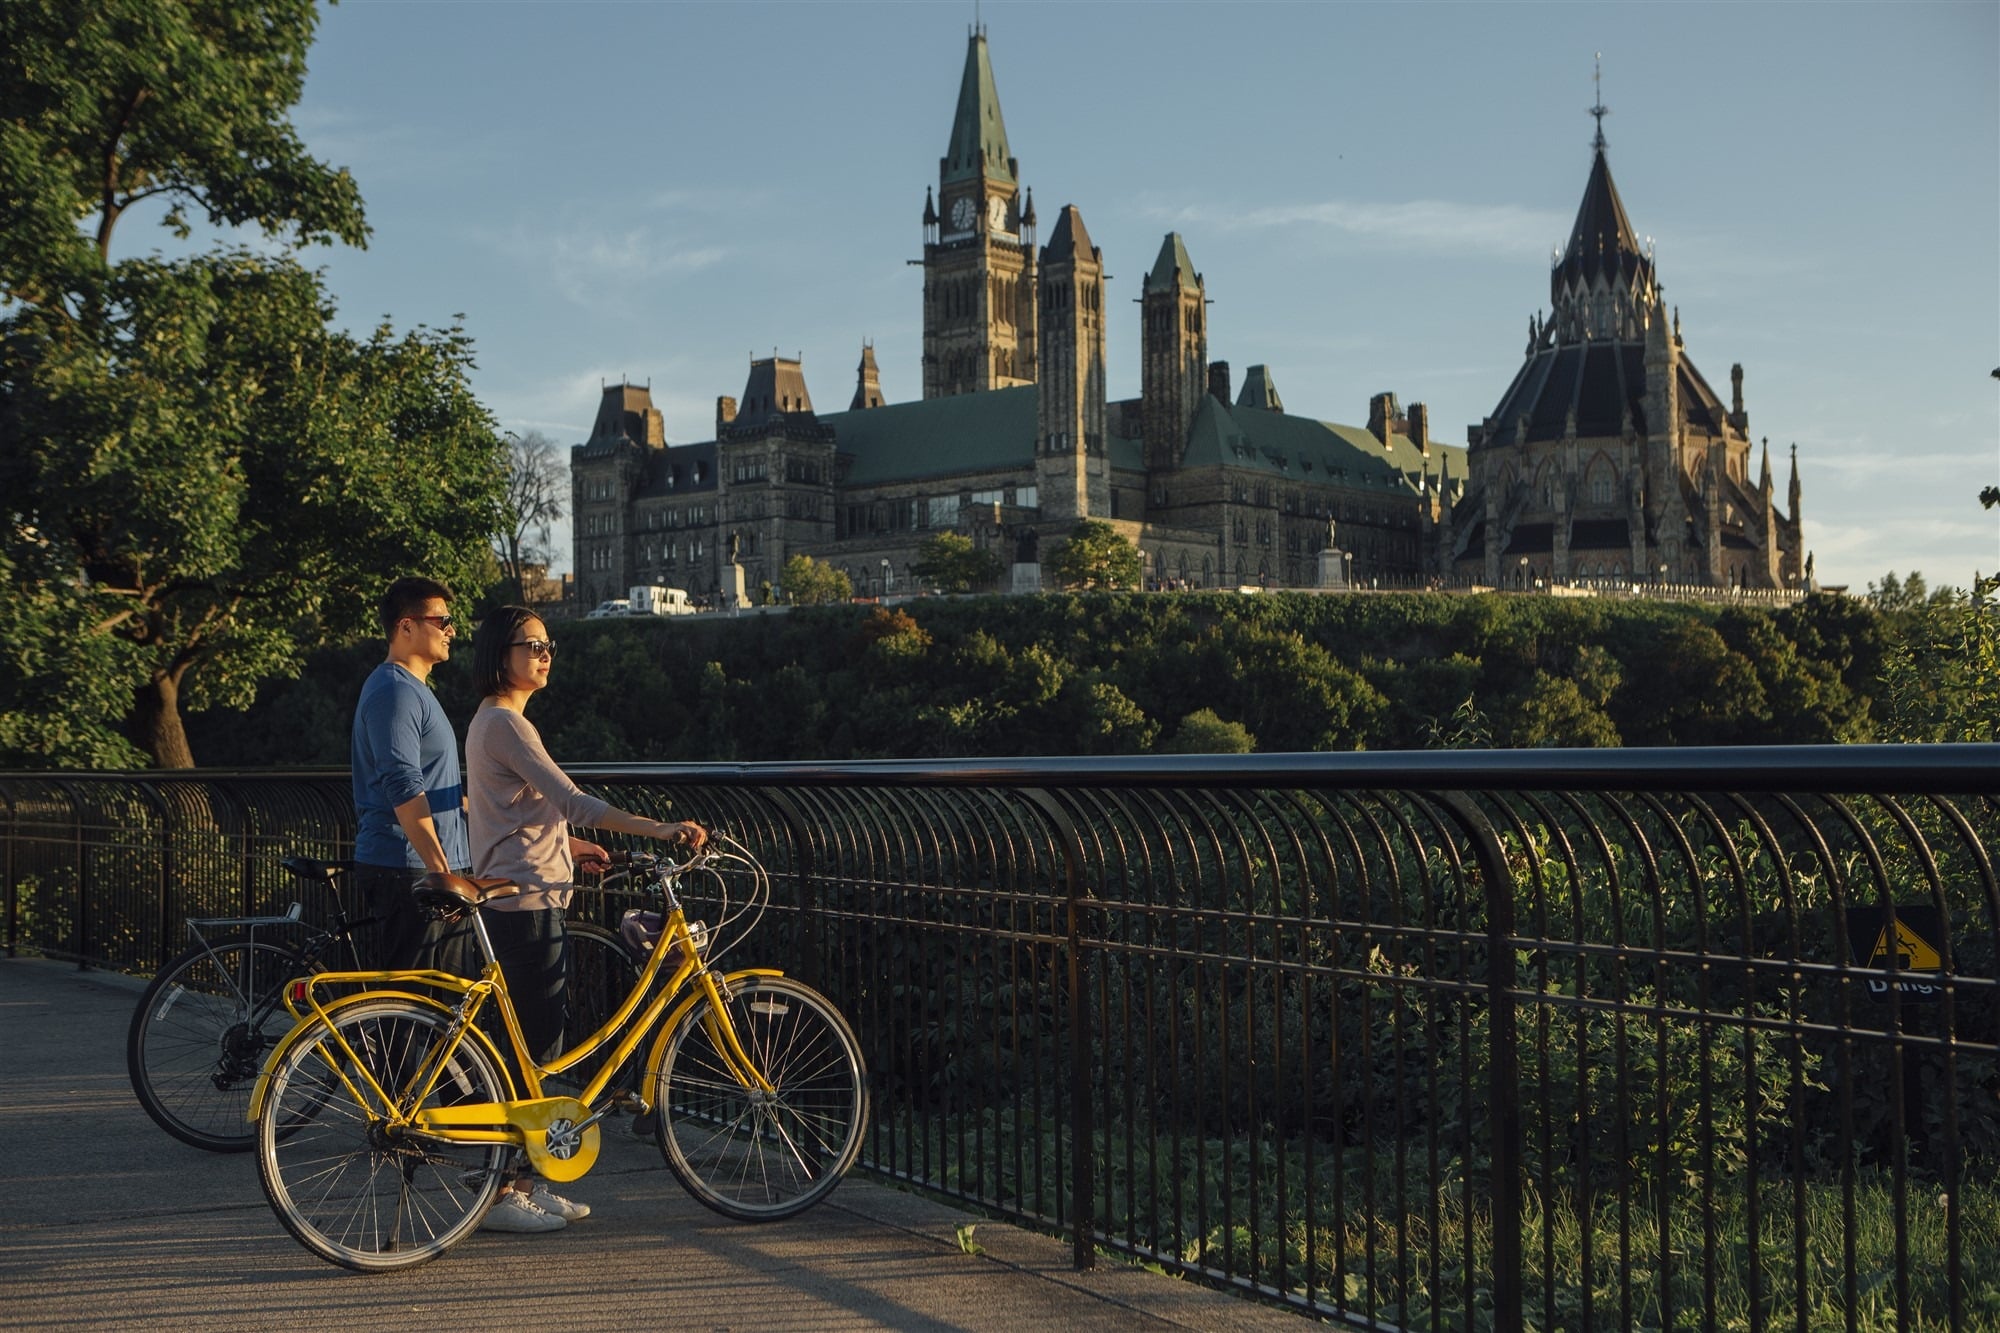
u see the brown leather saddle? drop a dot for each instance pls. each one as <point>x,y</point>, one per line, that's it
<point>448,897</point>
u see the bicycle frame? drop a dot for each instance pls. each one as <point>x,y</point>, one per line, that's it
<point>559,1134</point>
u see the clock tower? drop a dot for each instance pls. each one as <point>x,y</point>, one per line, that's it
<point>979,250</point>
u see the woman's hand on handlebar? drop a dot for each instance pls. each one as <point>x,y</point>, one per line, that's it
<point>687,834</point>
<point>588,856</point>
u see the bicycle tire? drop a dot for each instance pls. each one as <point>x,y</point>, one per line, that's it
<point>602,973</point>
<point>343,1187</point>
<point>758,1158</point>
<point>200,1033</point>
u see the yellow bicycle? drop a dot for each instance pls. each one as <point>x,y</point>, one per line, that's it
<point>388,1120</point>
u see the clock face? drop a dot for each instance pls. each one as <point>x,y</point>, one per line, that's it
<point>996,213</point>
<point>961,215</point>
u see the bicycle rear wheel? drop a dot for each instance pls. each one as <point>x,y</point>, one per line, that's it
<point>199,1035</point>
<point>346,1187</point>
<point>755,1155</point>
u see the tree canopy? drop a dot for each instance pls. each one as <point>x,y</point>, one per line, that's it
<point>950,562</point>
<point>202,476</point>
<point>810,582</point>
<point>1095,556</point>
<point>105,104</point>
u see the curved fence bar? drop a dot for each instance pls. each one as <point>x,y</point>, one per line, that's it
<point>1578,1040</point>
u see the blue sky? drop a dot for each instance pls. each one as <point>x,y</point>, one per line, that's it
<point>662,190</point>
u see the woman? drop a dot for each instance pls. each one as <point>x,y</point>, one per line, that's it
<point>520,807</point>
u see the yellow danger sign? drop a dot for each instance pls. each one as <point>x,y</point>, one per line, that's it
<point>1900,947</point>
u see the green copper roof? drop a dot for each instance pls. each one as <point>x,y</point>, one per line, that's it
<point>978,124</point>
<point>1300,448</point>
<point>938,437</point>
<point>1173,268</point>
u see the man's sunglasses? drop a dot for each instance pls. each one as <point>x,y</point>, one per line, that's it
<point>442,622</point>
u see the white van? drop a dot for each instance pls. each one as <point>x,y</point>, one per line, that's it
<point>650,600</point>
<point>617,606</point>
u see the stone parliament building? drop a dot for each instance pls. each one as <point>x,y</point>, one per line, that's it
<point>1608,457</point>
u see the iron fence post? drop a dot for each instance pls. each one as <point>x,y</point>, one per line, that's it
<point>1503,1106</point>
<point>1083,1132</point>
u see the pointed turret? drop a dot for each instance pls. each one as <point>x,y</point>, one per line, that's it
<point>867,381</point>
<point>1793,495</point>
<point>1260,390</point>
<point>1173,270</point>
<point>1072,457</point>
<point>930,209</point>
<point>978,133</point>
<point>1174,375</point>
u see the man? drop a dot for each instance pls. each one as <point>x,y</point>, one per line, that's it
<point>408,793</point>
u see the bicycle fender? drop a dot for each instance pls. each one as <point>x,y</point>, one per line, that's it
<point>679,1011</point>
<point>301,1028</point>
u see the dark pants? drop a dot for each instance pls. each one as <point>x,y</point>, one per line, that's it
<point>397,936</point>
<point>533,950</point>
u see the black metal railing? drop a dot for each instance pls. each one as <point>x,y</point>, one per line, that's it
<point>1577,1039</point>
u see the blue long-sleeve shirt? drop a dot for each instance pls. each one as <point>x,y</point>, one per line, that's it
<point>403,747</point>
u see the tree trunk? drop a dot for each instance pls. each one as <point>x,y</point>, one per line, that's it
<point>155,723</point>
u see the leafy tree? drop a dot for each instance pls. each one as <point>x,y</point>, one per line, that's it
<point>950,562</point>
<point>201,478</point>
<point>217,480</point>
<point>1894,594</point>
<point>810,582</point>
<point>105,104</point>
<point>1202,732</point>
<point>1095,556</point>
<point>1941,673</point>
<point>537,479</point>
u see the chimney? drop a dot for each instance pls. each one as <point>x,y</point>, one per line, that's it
<point>1218,381</point>
<point>725,412</point>
<point>1420,427</point>
<point>1385,418</point>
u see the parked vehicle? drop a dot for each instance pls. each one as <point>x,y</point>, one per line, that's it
<point>617,606</point>
<point>650,600</point>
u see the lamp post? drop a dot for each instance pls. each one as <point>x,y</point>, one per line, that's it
<point>885,576</point>
<point>1524,573</point>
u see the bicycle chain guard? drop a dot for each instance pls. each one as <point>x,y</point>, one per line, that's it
<point>546,1127</point>
<point>556,1149</point>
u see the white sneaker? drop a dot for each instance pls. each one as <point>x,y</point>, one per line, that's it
<point>515,1211</point>
<point>551,1202</point>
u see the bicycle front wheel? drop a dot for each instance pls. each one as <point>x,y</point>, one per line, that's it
<point>344,1185</point>
<point>747,1153</point>
<point>200,1034</point>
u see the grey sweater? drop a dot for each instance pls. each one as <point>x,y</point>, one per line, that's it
<point>520,807</point>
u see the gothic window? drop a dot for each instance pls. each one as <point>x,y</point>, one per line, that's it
<point>1602,481</point>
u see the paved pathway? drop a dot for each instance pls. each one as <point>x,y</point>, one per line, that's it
<point>106,1222</point>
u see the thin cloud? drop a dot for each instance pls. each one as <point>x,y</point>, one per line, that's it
<point>1419,224</point>
<point>581,262</point>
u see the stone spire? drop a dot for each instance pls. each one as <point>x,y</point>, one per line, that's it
<point>868,381</point>
<point>978,133</point>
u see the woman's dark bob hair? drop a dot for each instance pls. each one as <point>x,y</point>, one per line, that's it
<point>496,633</point>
